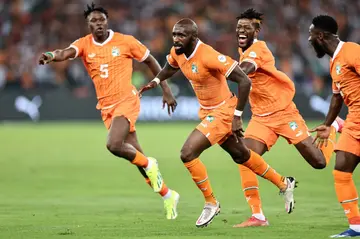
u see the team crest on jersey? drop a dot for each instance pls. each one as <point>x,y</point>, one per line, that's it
<point>338,68</point>
<point>115,51</point>
<point>210,118</point>
<point>222,58</point>
<point>252,54</point>
<point>194,68</point>
<point>293,125</point>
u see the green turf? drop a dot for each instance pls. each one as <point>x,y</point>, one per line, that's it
<point>59,181</point>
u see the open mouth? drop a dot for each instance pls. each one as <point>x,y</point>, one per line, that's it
<point>177,47</point>
<point>242,38</point>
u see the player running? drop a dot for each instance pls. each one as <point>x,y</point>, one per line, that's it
<point>220,112</point>
<point>274,112</point>
<point>107,56</point>
<point>345,73</point>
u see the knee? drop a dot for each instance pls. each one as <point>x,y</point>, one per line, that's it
<point>187,154</point>
<point>240,156</point>
<point>115,147</point>
<point>318,162</point>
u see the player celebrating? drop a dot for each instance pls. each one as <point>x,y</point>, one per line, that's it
<point>274,112</point>
<point>107,56</point>
<point>345,73</point>
<point>220,113</point>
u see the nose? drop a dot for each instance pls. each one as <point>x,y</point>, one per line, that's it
<point>175,39</point>
<point>309,39</point>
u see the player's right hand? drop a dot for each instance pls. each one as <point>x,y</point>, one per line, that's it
<point>45,58</point>
<point>322,135</point>
<point>149,86</point>
<point>237,128</point>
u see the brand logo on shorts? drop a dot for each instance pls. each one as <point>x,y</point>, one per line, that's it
<point>194,68</point>
<point>115,51</point>
<point>210,118</point>
<point>293,125</point>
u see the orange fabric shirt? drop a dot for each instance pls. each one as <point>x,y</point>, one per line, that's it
<point>109,65</point>
<point>206,69</point>
<point>345,73</point>
<point>272,90</point>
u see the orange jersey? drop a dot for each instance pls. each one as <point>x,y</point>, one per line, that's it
<point>272,90</point>
<point>345,73</point>
<point>109,65</point>
<point>206,69</point>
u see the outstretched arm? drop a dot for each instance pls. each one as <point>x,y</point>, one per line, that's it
<point>323,131</point>
<point>166,72</point>
<point>155,68</point>
<point>57,55</point>
<point>160,78</point>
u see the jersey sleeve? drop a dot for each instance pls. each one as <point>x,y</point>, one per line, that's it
<point>353,57</point>
<point>79,46</point>
<point>255,55</point>
<point>171,59</point>
<point>138,50</point>
<point>215,61</point>
<point>335,89</point>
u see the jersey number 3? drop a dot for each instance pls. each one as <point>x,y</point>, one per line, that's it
<point>104,71</point>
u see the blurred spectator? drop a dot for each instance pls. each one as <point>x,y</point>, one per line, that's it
<point>29,27</point>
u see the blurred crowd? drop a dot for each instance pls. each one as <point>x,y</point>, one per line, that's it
<point>29,27</point>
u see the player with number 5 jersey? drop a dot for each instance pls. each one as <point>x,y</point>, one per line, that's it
<point>107,57</point>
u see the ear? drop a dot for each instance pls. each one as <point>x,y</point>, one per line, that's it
<point>194,38</point>
<point>321,35</point>
<point>257,32</point>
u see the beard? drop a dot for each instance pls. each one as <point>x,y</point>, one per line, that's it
<point>180,51</point>
<point>320,53</point>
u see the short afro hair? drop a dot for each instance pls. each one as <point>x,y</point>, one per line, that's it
<point>252,14</point>
<point>325,23</point>
<point>94,8</point>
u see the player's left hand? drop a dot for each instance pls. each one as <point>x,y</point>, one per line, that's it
<point>46,58</point>
<point>147,87</point>
<point>237,128</point>
<point>322,135</point>
<point>169,100</point>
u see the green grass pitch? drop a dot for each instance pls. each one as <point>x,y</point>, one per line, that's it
<point>57,180</point>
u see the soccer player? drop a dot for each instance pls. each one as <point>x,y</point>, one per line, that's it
<point>274,113</point>
<point>107,56</point>
<point>345,73</point>
<point>220,112</point>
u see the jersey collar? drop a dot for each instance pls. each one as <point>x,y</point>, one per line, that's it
<point>338,48</point>
<point>196,47</point>
<point>111,34</point>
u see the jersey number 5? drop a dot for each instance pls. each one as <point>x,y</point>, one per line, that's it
<point>104,71</point>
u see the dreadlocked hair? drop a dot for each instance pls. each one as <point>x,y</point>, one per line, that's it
<point>252,14</point>
<point>93,8</point>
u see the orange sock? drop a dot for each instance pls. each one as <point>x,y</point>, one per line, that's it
<point>198,172</point>
<point>258,165</point>
<point>164,190</point>
<point>347,195</point>
<point>329,149</point>
<point>140,160</point>
<point>250,186</point>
